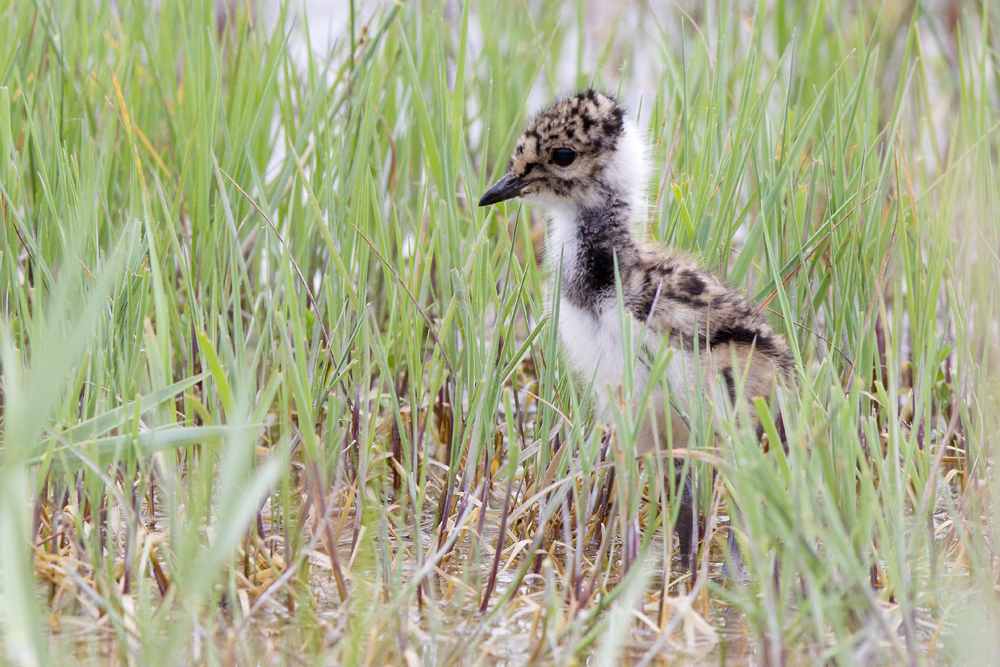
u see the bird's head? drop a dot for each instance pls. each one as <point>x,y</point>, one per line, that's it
<point>578,153</point>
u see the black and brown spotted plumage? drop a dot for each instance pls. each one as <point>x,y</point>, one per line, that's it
<point>584,160</point>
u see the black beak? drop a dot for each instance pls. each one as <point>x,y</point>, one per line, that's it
<point>506,188</point>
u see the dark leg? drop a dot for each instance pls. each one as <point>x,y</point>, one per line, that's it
<point>734,569</point>
<point>687,527</point>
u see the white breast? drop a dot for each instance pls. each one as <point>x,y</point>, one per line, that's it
<point>594,348</point>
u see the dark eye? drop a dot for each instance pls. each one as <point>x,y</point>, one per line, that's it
<point>563,157</point>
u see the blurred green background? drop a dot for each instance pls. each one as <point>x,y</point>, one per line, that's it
<point>274,391</point>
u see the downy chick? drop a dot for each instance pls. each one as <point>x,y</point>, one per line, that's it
<point>585,161</point>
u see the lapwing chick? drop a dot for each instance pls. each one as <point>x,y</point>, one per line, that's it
<point>586,162</point>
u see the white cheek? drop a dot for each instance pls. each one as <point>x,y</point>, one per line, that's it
<point>581,198</point>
